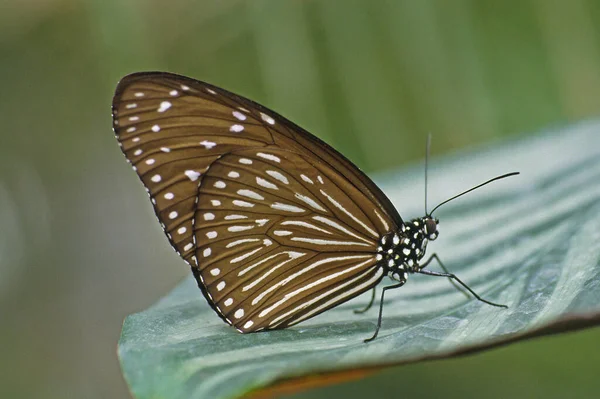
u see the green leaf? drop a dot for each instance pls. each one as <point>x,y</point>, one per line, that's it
<point>531,242</point>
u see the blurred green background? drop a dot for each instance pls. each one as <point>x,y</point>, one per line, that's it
<point>79,246</point>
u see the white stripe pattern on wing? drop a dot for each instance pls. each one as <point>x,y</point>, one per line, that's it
<point>319,241</point>
<point>242,241</point>
<point>304,224</point>
<point>310,202</point>
<point>338,226</point>
<point>246,255</point>
<point>308,286</point>
<point>386,227</point>
<point>292,255</point>
<point>344,294</point>
<point>357,220</point>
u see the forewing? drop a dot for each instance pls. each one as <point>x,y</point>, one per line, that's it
<point>278,241</point>
<point>171,129</point>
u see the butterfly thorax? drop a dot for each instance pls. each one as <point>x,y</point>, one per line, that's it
<point>400,252</point>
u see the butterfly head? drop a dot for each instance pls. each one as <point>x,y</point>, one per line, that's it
<point>430,230</point>
<point>418,232</point>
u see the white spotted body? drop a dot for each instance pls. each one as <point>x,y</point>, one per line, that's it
<point>399,253</point>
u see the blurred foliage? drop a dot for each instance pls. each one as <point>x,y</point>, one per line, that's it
<point>79,246</point>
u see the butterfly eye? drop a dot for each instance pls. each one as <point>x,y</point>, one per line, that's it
<point>430,227</point>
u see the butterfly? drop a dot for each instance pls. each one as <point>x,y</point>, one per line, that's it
<point>276,225</point>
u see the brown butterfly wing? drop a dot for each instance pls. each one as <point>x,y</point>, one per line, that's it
<point>204,154</point>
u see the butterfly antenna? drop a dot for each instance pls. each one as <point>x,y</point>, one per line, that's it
<point>475,188</point>
<point>427,146</point>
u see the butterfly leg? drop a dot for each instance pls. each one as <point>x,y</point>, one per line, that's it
<point>359,311</point>
<point>453,277</point>
<point>454,283</point>
<point>390,287</point>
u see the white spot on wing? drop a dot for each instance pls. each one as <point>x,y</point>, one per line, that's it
<point>236,128</point>
<point>192,174</point>
<point>155,128</point>
<point>265,183</point>
<point>233,174</point>
<point>220,184</point>
<point>270,157</point>
<point>239,314</point>
<point>235,217</point>
<point>250,194</point>
<point>235,229</point>
<point>239,115</point>
<point>267,118</point>
<point>286,207</point>
<point>278,176</point>
<point>246,161</point>
<point>243,203</point>
<point>209,216</point>
<point>165,105</point>
<point>156,178</point>
<point>211,234</point>
<point>306,179</point>
<point>208,144</point>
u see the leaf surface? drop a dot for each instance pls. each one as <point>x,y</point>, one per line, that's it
<point>531,242</point>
